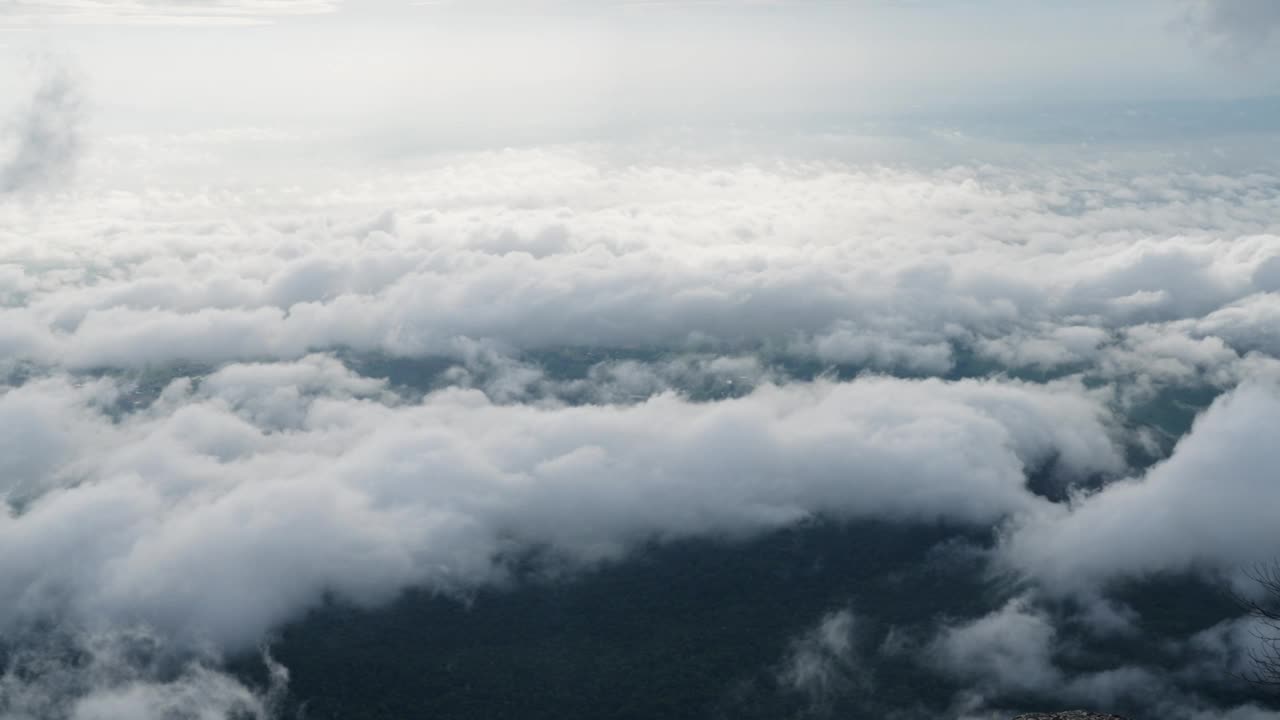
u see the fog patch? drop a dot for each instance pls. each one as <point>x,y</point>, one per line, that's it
<point>823,662</point>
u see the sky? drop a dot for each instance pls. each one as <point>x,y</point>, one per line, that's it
<point>488,71</point>
<point>999,231</point>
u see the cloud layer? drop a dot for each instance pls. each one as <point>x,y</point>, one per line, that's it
<point>1160,275</point>
<point>348,385</point>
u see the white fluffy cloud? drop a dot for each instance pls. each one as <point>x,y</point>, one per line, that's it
<point>299,480</point>
<point>1169,276</point>
<point>1011,649</point>
<point>1205,508</point>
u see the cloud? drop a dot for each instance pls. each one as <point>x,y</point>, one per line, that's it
<point>300,481</point>
<point>1017,653</point>
<point>1203,509</point>
<point>1237,26</point>
<point>1010,649</point>
<point>595,347</point>
<point>127,675</point>
<point>573,249</point>
<point>823,664</point>
<point>45,138</point>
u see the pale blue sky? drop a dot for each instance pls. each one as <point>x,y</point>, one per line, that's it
<point>507,68</point>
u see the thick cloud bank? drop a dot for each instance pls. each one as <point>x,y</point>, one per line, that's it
<point>295,493</point>
<point>226,404</point>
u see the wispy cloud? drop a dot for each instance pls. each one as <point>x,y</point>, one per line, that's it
<point>1236,27</point>
<point>45,136</point>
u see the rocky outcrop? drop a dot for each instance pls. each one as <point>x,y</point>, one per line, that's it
<point>1070,715</point>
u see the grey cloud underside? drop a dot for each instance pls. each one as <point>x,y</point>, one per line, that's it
<point>193,380</point>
